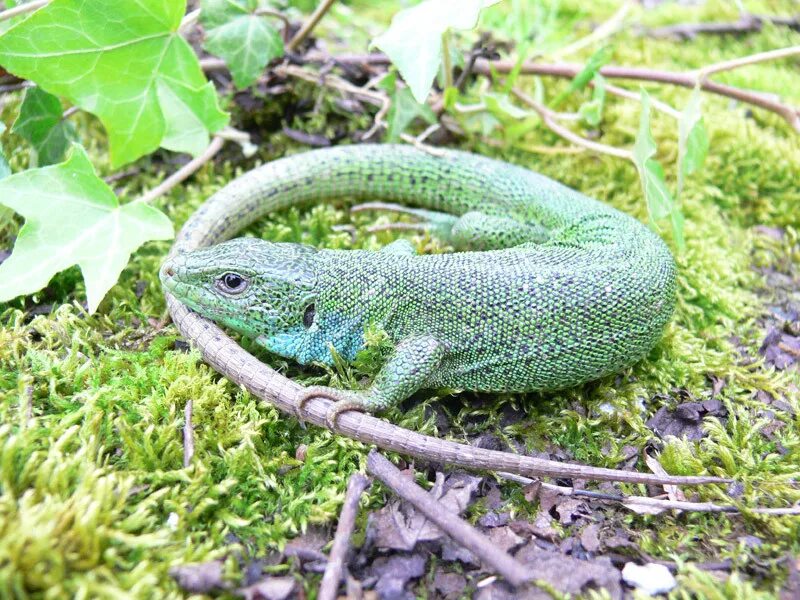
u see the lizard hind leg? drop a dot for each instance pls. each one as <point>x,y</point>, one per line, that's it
<point>473,230</point>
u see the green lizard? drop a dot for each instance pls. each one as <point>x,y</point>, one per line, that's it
<point>563,289</point>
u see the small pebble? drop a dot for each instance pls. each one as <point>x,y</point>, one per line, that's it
<point>651,578</point>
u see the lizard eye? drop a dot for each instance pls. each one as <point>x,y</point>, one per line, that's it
<point>231,283</point>
<point>308,315</point>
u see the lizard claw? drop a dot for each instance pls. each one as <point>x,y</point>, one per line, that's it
<point>343,401</point>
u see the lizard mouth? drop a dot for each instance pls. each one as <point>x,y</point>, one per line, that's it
<point>170,273</point>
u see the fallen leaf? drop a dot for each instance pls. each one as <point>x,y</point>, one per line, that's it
<point>271,588</point>
<point>449,585</point>
<point>570,575</point>
<point>395,572</point>
<point>590,539</point>
<point>685,420</point>
<point>199,578</point>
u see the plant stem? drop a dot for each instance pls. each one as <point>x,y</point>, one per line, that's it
<point>645,502</point>
<point>183,173</point>
<point>548,118</point>
<point>569,70</point>
<point>606,29</point>
<point>309,25</point>
<point>447,64</point>
<point>22,9</point>
<point>729,65</point>
<point>189,20</point>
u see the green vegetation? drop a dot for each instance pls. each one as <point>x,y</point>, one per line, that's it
<point>94,498</point>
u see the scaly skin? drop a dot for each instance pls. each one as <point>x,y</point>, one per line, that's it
<point>566,290</point>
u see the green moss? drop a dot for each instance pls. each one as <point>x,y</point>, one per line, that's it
<point>94,498</point>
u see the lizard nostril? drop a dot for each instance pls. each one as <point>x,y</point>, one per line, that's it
<point>169,272</point>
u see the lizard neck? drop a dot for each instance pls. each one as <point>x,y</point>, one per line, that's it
<point>356,290</point>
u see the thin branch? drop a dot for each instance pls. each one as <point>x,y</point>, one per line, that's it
<point>655,102</point>
<point>729,65</point>
<point>309,25</point>
<point>341,540</point>
<point>452,525</point>
<point>569,70</point>
<point>604,30</point>
<point>184,172</point>
<point>687,80</point>
<point>69,112</point>
<point>377,98</point>
<point>189,20</point>
<point>268,12</point>
<point>645,502</point>
<point>22,9</point>
<point>14,87</point>
<point>548,118</point>
<point>747,23</point>
<point>188,435</point>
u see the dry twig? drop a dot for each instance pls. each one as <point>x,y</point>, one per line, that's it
<point>747,23</point>
<point>452,525</point>
<point>341,540</point>
<point>184,172</point>
<point>647,504</point>
<point>309,25</point>
<point>569,70</point>
<point>548,118</point>
<point>23,9</point>
<point>188,435</point>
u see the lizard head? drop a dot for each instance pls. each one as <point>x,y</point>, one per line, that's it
<point>262,289</point>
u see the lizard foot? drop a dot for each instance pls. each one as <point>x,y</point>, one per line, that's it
<point>426,220</point>
<point>344,401</point>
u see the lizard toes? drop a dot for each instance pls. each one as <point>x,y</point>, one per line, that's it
<point>340,407</point>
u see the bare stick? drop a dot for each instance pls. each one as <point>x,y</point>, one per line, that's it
<point>22,9</point>
<point>332,81</point>
<point>188,435</point>
<point>655,102</point>
<point>455,527</point>
<point>747,23</point>
<point>569,70</point>
<point>184,172</point>
<point>548,118</point>
<point>341,540</point>
<point>606,29</point>
<point>753,59</point>
<point>633,502</point>
<point>189,20</point>
<point>309,25</point>
<point>268,12</point>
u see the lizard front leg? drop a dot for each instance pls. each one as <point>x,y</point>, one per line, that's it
<point>411,365</point>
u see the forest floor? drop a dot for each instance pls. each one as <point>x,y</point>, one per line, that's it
<point>95,500</point>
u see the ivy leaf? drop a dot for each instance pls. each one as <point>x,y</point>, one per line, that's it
<point>246,41</point>
<point>692,139</point>
<point>40,122</point>
<point>126,64</point>
<point>404,109</point>
<point>413,41</point>
<point>659,200</point>
<point>72,217</point>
